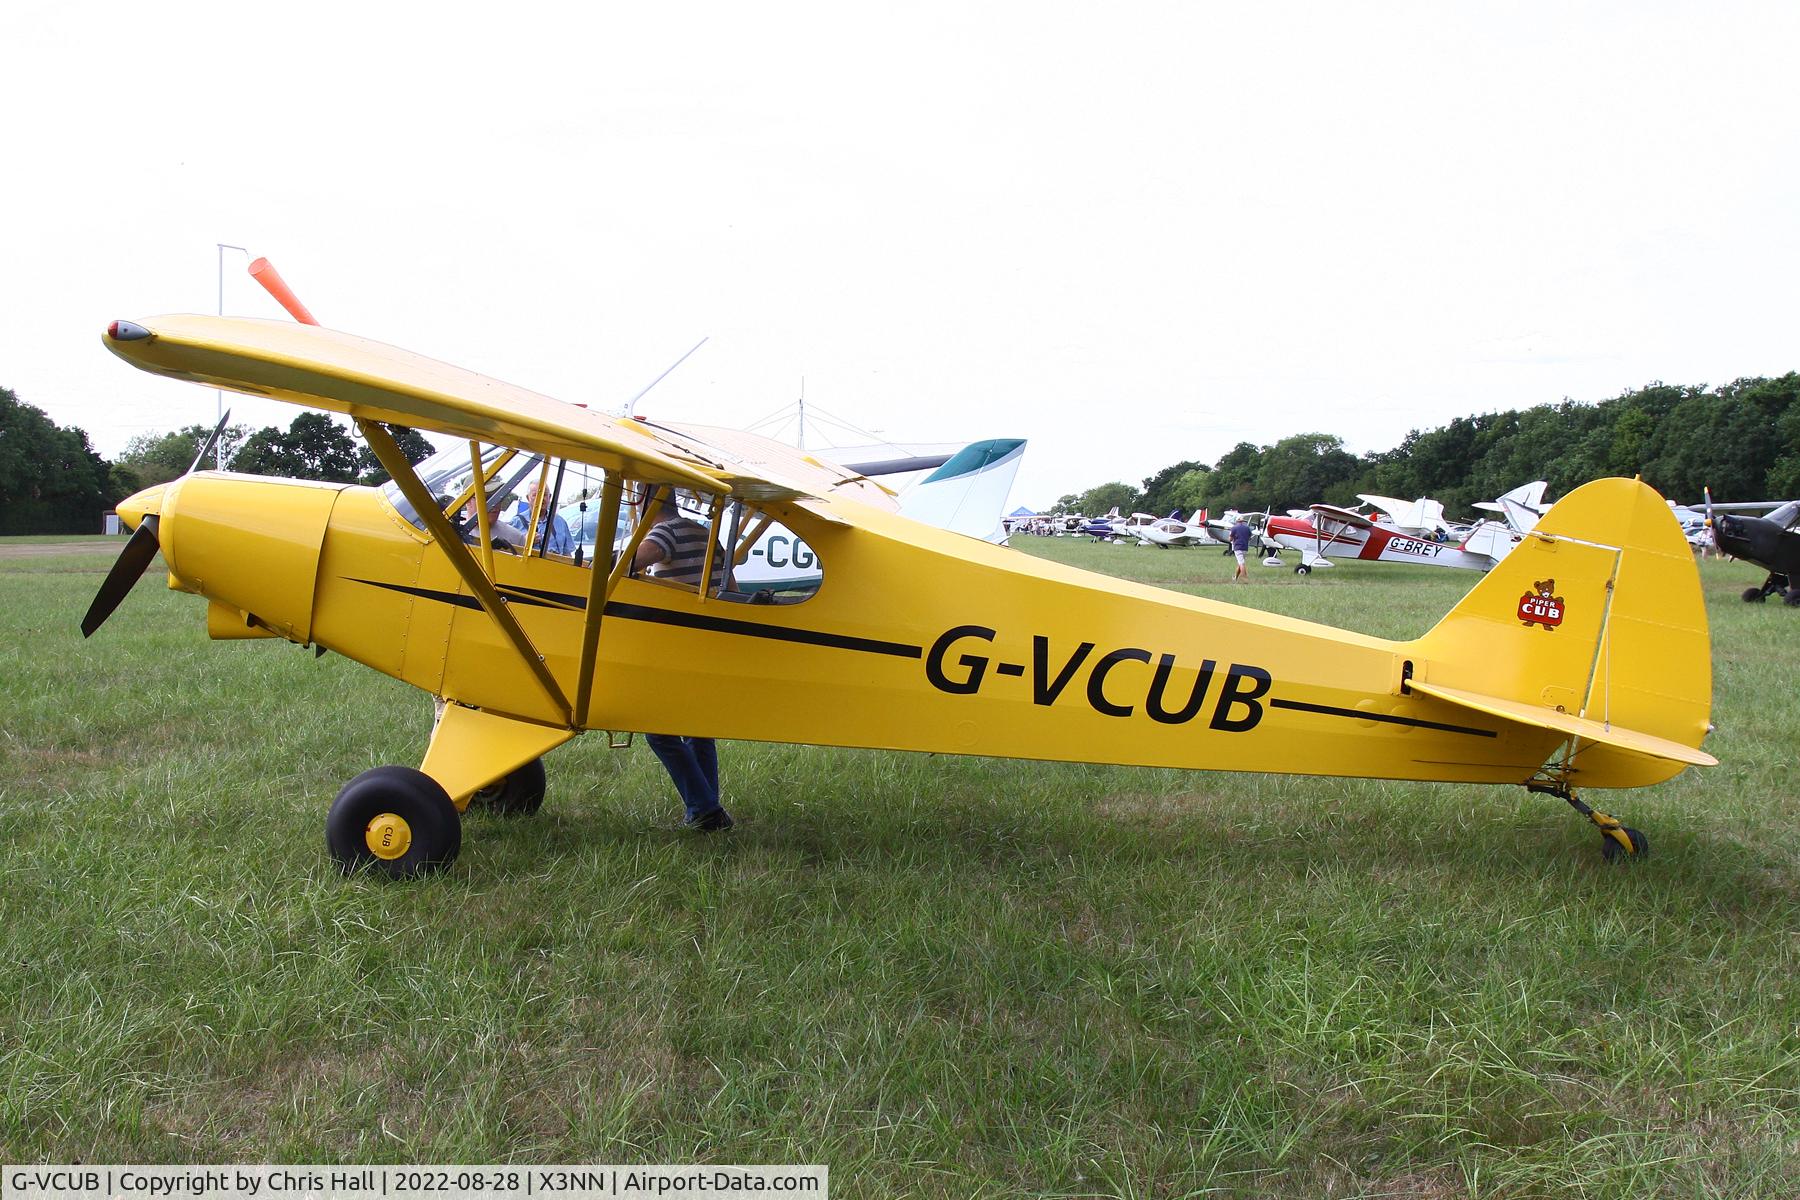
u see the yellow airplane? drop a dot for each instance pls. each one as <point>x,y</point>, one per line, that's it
<point>1581,661</point>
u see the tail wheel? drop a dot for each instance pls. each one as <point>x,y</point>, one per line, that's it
<point>394,821</point>
<point>1303,569</point>
<point>1754,595</point>
<point>1612,851</point>
<point>520,794</point>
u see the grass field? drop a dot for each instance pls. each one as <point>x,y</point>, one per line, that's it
<point>940,976</point>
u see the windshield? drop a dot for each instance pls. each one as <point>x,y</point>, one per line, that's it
<point>447,475</point>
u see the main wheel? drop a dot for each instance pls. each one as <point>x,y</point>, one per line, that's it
<point>1793,597</point>
<point>395,821</point>
<point>1755,595</point>
<point>518,795</point>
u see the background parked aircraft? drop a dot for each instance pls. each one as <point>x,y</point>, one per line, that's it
<point>1409,531</point>
<point>1771,542</point>
<point>964,490</point>
<point>1173,531</point>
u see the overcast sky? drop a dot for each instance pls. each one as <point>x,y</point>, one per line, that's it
<point>1132,233</point>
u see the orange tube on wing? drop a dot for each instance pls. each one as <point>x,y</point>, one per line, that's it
<point>264,272</point>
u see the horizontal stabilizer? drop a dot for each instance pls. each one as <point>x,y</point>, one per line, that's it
<point>1562,722</point>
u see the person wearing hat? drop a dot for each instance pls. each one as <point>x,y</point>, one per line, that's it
<point>675,549</point>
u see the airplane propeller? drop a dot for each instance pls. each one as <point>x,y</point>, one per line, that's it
<point>130,566</point>
<point>211,441</point>
<point>139,552</point>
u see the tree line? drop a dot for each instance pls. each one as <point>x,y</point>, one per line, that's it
<point>53,481</point>
<point>1742,440</point>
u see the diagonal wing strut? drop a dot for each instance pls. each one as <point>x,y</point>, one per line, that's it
<point>492,603</point>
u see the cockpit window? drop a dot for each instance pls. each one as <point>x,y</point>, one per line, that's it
<point>755,559</point>
<point>771,564</point>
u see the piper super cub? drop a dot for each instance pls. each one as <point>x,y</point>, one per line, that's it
<point>1581,661</point>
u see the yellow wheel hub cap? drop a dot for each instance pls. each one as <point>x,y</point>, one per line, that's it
<point>388,836</point>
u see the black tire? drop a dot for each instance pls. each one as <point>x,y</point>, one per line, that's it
<point>1303,569</point>
<point>520,794</point>
<point>1793,597</point>
<point>1755,595</point>
<point>406,808</point>
<point>1611,851</point>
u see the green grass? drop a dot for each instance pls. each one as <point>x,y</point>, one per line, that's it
<point>940,976</point>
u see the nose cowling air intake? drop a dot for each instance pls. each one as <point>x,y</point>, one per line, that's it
<point>248,542</point>
<point>252,544</point>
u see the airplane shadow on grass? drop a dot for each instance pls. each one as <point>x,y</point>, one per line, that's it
<point>1420,841</point>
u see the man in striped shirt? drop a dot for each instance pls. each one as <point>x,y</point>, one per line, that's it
<point>675,550</point>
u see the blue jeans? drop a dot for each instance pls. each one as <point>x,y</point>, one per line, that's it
<point>693,765</point>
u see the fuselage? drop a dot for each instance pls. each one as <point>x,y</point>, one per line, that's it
<point>915,639</point>
<point>1767,541</point>
<point>1380,543</point>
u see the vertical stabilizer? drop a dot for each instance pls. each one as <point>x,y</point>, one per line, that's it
<point>968,494</point>
<point>1597,613</point>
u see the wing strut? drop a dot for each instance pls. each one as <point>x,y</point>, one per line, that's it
<point>600,586</point>
<point>394,462</point>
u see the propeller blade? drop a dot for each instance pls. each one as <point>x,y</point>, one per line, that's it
<point>133,561</point>
<point>210,443</point>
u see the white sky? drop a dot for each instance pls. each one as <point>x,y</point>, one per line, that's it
<point>1133,233</point>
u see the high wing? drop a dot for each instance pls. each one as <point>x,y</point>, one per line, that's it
<point>1341,516</point>
<point>1785,513</point>
<point>322,368</point>
<point>1747,505</point>
<point>1531,495</point>
<point>1423,515</point>
<point>1390,505</point>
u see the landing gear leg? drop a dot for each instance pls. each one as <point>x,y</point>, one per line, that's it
<point>1617,840</point>
<point>1774,585</point>
<point>520,794</point>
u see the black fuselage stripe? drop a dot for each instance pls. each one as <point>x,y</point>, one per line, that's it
<point>663,616</point>
<point>1389,718</point>
<point>808,637</point>
<point>838,641</point>
<point>529,596</point>
<point>456,598</point>
<point>562,599</point>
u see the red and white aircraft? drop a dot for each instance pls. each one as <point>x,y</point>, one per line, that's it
<point>1329,532</point>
